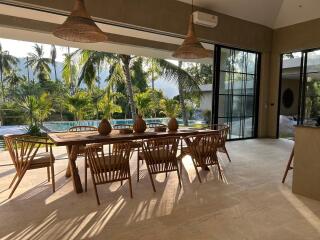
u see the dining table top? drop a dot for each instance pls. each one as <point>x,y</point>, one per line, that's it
<point>87,137</point>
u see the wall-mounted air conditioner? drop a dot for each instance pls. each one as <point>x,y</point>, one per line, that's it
<point>205,19</point>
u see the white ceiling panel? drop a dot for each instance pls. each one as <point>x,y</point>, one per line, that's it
<point>270,13</point>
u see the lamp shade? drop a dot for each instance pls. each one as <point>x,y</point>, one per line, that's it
<point>79,27</point>
<point>191,48</point>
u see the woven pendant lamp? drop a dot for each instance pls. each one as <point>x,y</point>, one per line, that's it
<point>79,27</point>
<point>191,47</point>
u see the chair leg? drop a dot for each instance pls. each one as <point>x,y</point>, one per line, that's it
<point>179,177</point>
<point>85,173</point>
<point>53,178</point>
<point>17,183</point>
<point>48,173</point>
<point>226,151</point>
<point>288,166</point>
<point>219,169</point>
<point>138,167</point>
<point>13,180</point>
<point>130,187</point>
<point>151,179</point>
<point>96,192</point>
<point>197,172</point>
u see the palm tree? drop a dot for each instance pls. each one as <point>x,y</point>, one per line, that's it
<point>126,59</point>
<point>107,103</point>
<point>7,62</point>
<point>170,107</point>
<point>119,72</point>
<point>91,62</point>
<point>69,71</point>
<point>13,79</point>
<point>39,63</point>
<point>154,72</point>
<point>143,101</point>
<point>184,81</point>
<point>53,54</point>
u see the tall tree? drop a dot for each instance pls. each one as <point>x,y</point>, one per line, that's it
<point>184,81</point>
<point>91,62</point>
<point>13,79</point>
<point>7,63</point>
<point>39,63</point>
<point>154,72</point>
<point>53,55</point>
<point>69,71</point>
<point>120,72</point>
<point>126,59</point>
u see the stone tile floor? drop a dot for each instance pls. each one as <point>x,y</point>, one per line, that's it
<point>251,203</point>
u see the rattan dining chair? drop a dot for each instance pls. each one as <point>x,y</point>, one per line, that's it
<point>109,167</point>
<point>25,155</point>
<point>224,130</point>
<point>82,148</point>
<point>203,151</point>
<point>160,155</point>
<point>289,165</point>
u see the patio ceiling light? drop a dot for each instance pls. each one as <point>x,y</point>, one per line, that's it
<point>79,26</point>
<point>191,47</point>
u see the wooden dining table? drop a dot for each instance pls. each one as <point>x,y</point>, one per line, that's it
<point>73,140</point>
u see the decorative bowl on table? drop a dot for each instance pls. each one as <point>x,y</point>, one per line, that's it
<point>125,131</point>
<point>139,125</point>
<point>160,129</point>
<point>104,127</point>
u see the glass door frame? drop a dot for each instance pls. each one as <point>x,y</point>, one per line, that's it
<point>216,88</point>
<point>302,86</point>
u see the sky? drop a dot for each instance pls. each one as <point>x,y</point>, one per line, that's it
<point>21,49</point>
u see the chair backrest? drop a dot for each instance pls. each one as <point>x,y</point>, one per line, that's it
<point>22,150</point>
<point>122,126</point>
<point>111,167</point>
<point>82,128</point>
<point>203,148</point>
<point>154,125</point>
<point>223,131</point>
<point>161,153</point>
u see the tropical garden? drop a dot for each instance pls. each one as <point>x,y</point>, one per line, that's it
<point>92,85</point>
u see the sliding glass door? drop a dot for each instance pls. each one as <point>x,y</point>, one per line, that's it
<point>311,101</point>
<point>236,93</point>
<point>299,95</point>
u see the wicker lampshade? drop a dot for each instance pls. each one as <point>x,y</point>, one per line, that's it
<point>191,48</point>
<point>79,27</point>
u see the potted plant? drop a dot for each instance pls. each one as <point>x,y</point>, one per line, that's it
<point>171,110</point>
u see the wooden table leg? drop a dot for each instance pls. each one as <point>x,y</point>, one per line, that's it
<point>72,168</point>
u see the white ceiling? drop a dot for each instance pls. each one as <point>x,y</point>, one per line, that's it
<point>270,13</point>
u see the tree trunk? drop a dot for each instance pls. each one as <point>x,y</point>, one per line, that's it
<point>153,94</point>
<point>28,70</point>
<point>126,68</point>
<point>55,71</point>
<point>182,102</point>
<point>2,86</point>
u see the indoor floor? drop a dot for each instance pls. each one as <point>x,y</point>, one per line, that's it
<point>251,203</point>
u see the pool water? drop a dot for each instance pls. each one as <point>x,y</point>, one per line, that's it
<point>66,125</point>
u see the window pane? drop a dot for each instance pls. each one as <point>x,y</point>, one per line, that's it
<point>237,92</point>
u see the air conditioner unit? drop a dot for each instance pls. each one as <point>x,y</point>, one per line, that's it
<point>205,19</point>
